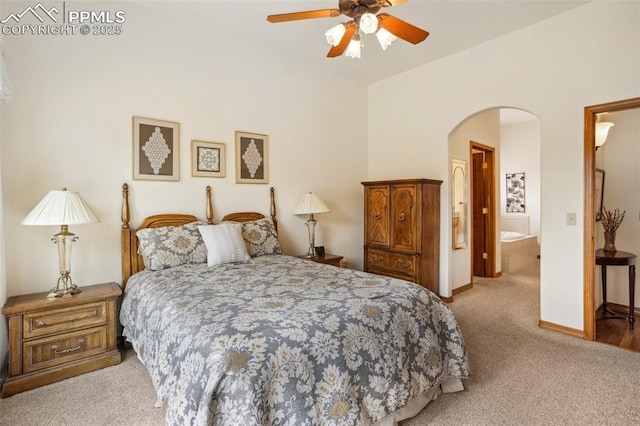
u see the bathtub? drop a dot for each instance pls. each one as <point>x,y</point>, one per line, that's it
<point>519,251</point>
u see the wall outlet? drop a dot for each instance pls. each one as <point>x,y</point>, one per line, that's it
<point>571,218</point>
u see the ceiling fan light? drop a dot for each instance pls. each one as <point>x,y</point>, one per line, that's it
<point>385,38</point>
<point>334,35</point>
<point>368,23</point>
<point>354,48</point>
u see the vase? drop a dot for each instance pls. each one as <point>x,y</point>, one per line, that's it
<point>609,241</point>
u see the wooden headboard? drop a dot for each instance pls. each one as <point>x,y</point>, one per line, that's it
<point>132,262</point>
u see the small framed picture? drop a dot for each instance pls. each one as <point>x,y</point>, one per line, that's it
<point>252,158</point>
<point>208,159</point>
<point>156,149</point>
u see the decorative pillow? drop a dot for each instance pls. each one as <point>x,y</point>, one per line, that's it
<point>261,237</point>
<point>170,246</point>
<point>224,243</point>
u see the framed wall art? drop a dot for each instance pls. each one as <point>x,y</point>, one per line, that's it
<point>515,193</point>
<point>252,158</point>
<point>208,159</point>
<point>599,193</point>
<point>156,149</point>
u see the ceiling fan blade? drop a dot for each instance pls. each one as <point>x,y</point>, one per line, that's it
<point>310,14</point>
<point>344,42</point>
<point>389,3</point>
<point>402,29</point>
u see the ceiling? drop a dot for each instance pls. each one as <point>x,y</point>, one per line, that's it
<point>454,25</point>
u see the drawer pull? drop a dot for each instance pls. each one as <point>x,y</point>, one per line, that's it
<point>402,217</point>
<point>376,259</point>
<point>55,350</point>
<point>378,216</point>
<point>402,264</point>
<point>40,323</point>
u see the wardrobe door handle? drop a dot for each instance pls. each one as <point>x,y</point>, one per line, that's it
<point>401,217</point>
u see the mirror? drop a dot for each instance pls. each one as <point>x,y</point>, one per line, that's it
<point>459,204</point>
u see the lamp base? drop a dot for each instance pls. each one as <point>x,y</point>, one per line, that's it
<point>68,288</point>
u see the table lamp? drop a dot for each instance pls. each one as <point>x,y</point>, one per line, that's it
<point>311,204</point>
<point>62,208</point>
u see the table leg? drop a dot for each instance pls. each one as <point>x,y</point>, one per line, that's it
<point>603,270</point>
<point>632,293</point>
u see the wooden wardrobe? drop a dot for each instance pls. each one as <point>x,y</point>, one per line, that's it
<point>402,230</point>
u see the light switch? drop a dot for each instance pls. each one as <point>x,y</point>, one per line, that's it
<point>571,218</point>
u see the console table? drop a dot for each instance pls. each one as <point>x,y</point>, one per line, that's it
<point>617,258</point>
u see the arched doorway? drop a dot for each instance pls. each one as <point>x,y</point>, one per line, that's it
<point>487,128</point>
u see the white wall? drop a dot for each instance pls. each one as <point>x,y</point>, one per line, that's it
<point>483,128</point>
<point>70,125</point>
<point>548,69</point>
<point>620,159</point>
<point>520,152</point>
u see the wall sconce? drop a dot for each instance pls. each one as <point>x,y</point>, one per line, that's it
<point>602,131</point>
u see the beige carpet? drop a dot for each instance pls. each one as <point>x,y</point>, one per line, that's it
<point>522,375</point>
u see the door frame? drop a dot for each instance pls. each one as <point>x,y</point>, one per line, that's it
<point>491,205</point>
<point>589,259</point>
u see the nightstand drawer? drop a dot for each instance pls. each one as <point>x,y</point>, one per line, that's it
<point>50,351</point>
<point>45,323</point>
<point>392,261</point>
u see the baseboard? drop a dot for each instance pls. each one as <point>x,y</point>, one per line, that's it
<point>561,329</point>
<point>461,289</point>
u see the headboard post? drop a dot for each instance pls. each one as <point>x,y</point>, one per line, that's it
<point>273,208</point>
<point>209,206</point>
<point>126,235</point>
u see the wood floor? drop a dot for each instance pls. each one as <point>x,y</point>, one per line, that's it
<point>616,332</point>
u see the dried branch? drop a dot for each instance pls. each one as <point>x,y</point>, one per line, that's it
<point>611,219</point>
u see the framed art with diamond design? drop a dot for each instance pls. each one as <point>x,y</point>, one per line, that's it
<point>208,159</point>
<point>252,158</point>
<point>156,149</point>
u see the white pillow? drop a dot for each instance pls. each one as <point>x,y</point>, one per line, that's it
<point>224,243</point>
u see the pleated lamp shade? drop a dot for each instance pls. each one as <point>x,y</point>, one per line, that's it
<point>311,204</point>
<point>61,208</point>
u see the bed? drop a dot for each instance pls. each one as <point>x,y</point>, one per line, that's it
<point>519,249</point>
<point>275,339</point>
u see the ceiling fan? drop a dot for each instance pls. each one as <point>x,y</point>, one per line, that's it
<point>364,18</point>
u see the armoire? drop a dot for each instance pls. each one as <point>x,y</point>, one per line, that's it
<point>402,230</point>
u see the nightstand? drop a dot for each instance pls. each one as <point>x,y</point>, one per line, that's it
<point>51,339</point>
<point>329,259</point>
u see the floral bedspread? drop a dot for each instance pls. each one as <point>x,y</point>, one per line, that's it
<point>285,341</point>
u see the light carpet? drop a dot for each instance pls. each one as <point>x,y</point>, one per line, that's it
<point>521,375</point>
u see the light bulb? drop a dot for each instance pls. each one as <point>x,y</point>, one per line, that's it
<point>355,45</point>
<point>368,23</point>
<point>334,35</point>
<point>385,38</point>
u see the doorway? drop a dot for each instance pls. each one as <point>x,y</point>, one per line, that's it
<point>590,114</point>
<point>483,224</point>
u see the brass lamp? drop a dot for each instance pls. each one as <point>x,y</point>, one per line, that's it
<point>62,208</point>
<point>311,204</point>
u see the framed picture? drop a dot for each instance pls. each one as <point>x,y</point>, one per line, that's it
<point>515,193</point>
<point>252,158</point>
<point>156,149</point>
<point>599,193</point>
<point>208,159</point>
